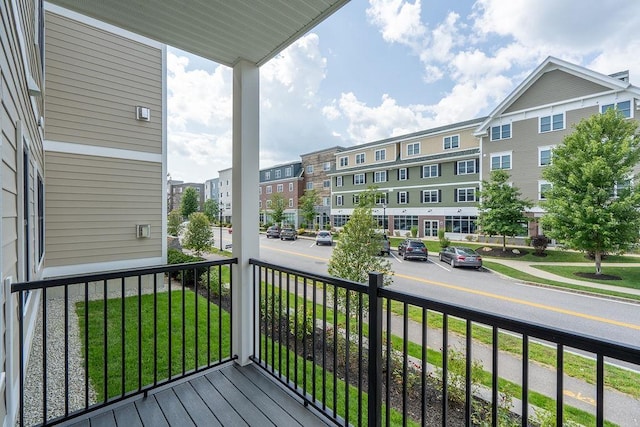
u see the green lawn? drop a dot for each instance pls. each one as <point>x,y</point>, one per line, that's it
<point>630,276</point>
<point>161,355</point>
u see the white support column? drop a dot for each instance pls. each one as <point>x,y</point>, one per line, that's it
<point>244,202</point>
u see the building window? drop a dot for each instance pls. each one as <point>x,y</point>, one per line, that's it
<point>40,208</point>
<point>544,156</point>
<point>269,204</point>
<point>268,190</point>
<point>338,181</point>
<point>326,201</point>
<point>288,172</point>
<point>623,107</point>
<point>381,198</point>
<point>260,204</point>
<point>290,203</point>
<point>451,142</point>
<point>405,222</point>
<point>460,224</point>
<point>309,168</point>
<point>280,188</point>
<point>413,149</point>
<point>344,161</point>
<point>359,179</point>
<point>339,200</point>
<point>403,197</point>
<point>278,173</point>
<point>267,175</point>
<point>543,187</point>
<point>466,167</point>
<point>465,195</point>
<point>381,155</point>
<point>356,199</point>
<point>326,166</point>
<point>549,123</point>
<point>259,190</point>
<point>291,186</point>
<point>309,185</point>
<point>501,132</point>
<point>430,171</point>
<point>380,176</point>
<point>500,161</point>
<point>359,158</point>
<point>403,174</point>
<point>430,196</point>
<point>326,183</point>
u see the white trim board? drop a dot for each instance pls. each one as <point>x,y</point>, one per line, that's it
<point>67,270</point>
<point>93,150</point>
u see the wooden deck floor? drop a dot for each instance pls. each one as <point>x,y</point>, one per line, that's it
<point>229,396</point>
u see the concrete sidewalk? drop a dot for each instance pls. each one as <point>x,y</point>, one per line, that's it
<point>529,268</point>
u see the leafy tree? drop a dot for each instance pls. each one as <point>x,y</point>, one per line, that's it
<point>199,236</point>
<point>356,253</point>
<point>189,202</point>
<point>308,203</point>
<point>174,223</point>
<point>501,210</point>
<point>594,200</point>
<point>211,210</point>
<point>278,205</point>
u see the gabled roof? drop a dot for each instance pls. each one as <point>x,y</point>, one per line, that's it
<point>612,83</point>
<point>223,31</point>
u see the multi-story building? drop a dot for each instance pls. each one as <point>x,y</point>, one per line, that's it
<point>286,181</point>
<point>317,165</point>
<point>427,180</point>
<point>177,189</point>
<point>211,189</point>
<point>224,190</point>
<point>171,200</point>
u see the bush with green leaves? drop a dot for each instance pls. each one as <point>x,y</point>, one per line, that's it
<point>199,235</point>
<point>175,256</point>
<point>539,243</point>
<point>174,223</point>
<point>444,242</point>
<point>301,324</point>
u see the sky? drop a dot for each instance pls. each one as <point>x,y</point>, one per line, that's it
<point>376,69</point>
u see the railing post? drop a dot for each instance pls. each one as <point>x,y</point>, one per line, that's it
<point>375,350</point>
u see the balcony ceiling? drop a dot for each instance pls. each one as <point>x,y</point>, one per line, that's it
<point>223,31</point>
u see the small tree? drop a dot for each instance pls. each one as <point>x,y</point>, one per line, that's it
<point>356,253</point>
<point>308,203</point>
<point>278,206</point>
<point>174,223</point>
<point>594,200</point>
<point>211,210</point>
<point>501,210</point>
<point>199,236</point>
<point>189,202</point>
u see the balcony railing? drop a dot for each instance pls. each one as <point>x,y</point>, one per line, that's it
<point>102,338</point>
<point>369,355</point>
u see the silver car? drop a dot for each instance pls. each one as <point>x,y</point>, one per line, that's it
<point>324,238</point>
<point>461,257</point>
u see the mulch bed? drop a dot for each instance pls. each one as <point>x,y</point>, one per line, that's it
<point>594,276</point>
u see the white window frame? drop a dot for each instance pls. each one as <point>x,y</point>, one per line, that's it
<point>464,191</point>
<point>278,173</point>
<point>268,203</point>
<point>280,188</point>
<point>357,180</point>
<point>309,168</point>
<point>403,197</point>
<point>400,174</point>
<point>448,142</point>
<point>326,183</point>
<point>542,183</point>
<point>267,175</point>
<point>605,107</point>
<point>381,198</point>
<point>326,200</point>
<point>542,149</point>
<point>552,123</point>
<point>326,166</point>
<point>259,190</point>
<point>269,190</point>
<point>344,161</point>
<point>466,169</point>
<point>339,200</point>
<point>380,176</point>
<point>290,203</point>
<point>309,185</point>
<point>501,155</point>
<point>431,193</point>
<point>501,131</point>
<point>381,154</point>
<point>413,149</point>
<point>339,181</point>
<point>288,172</point>
<point>291,186</point>
<point>430,169</point>
<point>361,158</point>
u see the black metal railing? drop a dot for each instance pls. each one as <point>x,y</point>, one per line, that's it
<point>105,337</point>
<point>363,354</point>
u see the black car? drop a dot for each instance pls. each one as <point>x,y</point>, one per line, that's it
<point>288,233</point>
<point>413,249</point>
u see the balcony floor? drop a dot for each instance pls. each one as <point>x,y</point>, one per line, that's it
<point>228,396</point>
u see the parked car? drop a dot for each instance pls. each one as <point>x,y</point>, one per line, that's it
<point>324,238</point>
<point>461,257</point>
<point>288,233</point>
<point>273,231</point>
<point>386,246</point>
<point>413,249</point>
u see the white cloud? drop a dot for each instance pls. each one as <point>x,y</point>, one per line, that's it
<point>399,21</point>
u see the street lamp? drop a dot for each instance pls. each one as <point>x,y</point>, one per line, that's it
<point>220,225</point>
<point>384,218</point>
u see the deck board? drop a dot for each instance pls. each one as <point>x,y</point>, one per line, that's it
<point>227,396</point>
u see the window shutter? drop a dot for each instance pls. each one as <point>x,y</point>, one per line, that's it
<point>386,176</point>
<point>477,165</point>
<point>439,169</point>
<point>365,177</point>
<point>407,197</point>
<point>353,179</point>
<point>398,175</point>
<point>439,196</point>
<point>398,197</point>
<point>455,168</point>
<point>407,173</point>
<point>421,171</point>
<point>455,195</point>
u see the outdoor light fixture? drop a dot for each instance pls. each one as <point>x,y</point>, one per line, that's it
<point>143,114</point>
<point>143,231</point>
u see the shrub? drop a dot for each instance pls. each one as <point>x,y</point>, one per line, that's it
<point>199,235</point>
<point>215,286</point>
<point>539,243</point>
<point>174,223</point>
<point>414,231</point>
<point>301,325</point>
<point>444,242</point>
<point>175,256</point>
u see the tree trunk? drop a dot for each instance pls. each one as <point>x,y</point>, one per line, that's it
<point>598,258</point>
<point>504,243</point>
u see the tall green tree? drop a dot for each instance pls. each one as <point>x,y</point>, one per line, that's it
<point>356,252</point>
<point>199,235</point>
<point>308,203</point>
<point>593,204</point>
<point>501,208</point>
<point>189,202</point>
<point>174,223</point>
<point>211,209</point>
<point>278,205</point>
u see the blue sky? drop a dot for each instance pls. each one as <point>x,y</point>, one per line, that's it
<point>377,69</point>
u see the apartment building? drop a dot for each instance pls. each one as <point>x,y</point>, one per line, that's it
<point>427,180</point>
<point>317,165</point>
<point>211,189</point>
<point>178,189</point>
<point>285,181</point>
<point>225,191</point>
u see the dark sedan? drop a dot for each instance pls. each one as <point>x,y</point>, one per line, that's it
<point>461,257</point>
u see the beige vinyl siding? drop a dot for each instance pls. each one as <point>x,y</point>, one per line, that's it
<point>552,87</point>
<point>95,79</point>
<point>93,205</point>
